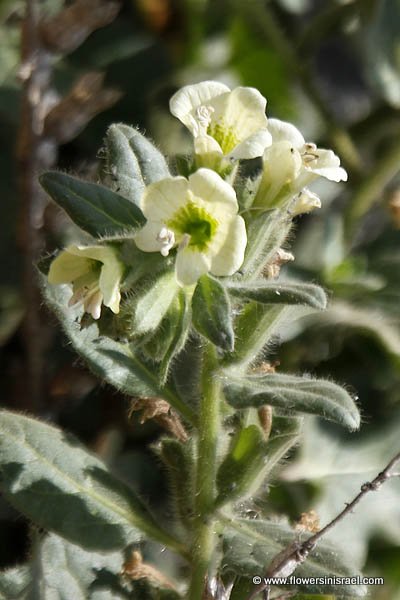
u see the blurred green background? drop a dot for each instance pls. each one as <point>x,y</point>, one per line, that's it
<point>333,69</point>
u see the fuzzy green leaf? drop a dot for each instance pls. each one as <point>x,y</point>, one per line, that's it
<point>155,302</point>
<point>250,546</point>
<point>94,208</point>
<point>132,162</point>
<point>152,163</point>
<point>265,235</point>
<point>254,328</point>
<point>57,483</point>
<point>119,364</point>
<point>242,464</point>
<point>293,394</point>
<point>61,570</point>
<point>179,322</point>
<point>272,292</point>
<point>212,312</point>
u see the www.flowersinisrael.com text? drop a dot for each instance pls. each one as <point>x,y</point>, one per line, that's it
<point>329,580</point>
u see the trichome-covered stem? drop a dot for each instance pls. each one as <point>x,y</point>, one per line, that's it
<point>203,540</point>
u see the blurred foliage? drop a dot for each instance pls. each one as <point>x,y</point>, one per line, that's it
<point>334,68</point>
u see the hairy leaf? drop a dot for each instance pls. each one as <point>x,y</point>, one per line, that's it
<point>254,327</point>
<point>117,363</point>
<point>272,292</point>
<point>266,234</point>
<point>94,208</point>
<point>58,484</point>
<point>155,302</point>
<point>212,312</point>
<point>132,162</point>
<point>339,468</point>
<point>251,545</point>
<point>241,465</point>
<point>62,571</point>
<point>293,394</point>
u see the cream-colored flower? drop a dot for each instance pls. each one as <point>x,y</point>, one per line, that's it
<point>290,164</point>
<point>224,123</point>
<point>95,273</point>
<point>198,216</point>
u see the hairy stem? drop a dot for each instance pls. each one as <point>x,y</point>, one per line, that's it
<point>203,543</point>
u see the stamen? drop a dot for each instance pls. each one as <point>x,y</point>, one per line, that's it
<point>203,117</point>
<point>166,237</point>
<point>308,153</point>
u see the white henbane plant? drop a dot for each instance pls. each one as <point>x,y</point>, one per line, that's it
<point>181,290</point>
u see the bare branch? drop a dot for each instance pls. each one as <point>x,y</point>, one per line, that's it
<point>285,563</point>
<point>86,99</point>
<point>69,28</point>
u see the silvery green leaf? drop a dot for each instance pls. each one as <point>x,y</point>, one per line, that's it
<point>292,395</point>
<point>132,162</point>
<point>118,363</point>
<point>339,468</point>
<point>212,314</point>
<point>285,292</point>
<point>59,485</point>
<point>63,571</point>
<point>251,545</point>
<point>266,233</point>
<point>94,208</point>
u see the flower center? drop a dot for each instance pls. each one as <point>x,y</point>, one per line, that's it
<point>225,136</point>
<point>195,223</point>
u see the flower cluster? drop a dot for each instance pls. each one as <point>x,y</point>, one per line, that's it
<point>194,222</point>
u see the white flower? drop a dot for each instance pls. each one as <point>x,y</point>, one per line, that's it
<point>199,216</point>
<point>95,273</point>
<point>315,161</point>
<point>290,164</point>
<point>224,123</point>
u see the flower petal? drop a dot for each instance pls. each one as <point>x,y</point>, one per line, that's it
<point>92,304</point>
<point>231,255</point>
<point>147,238</point>
<point>109,282</point>
<point>252,146</point>
<point>190,266</point>
<point>328,165</point>
<point>282,164</point>
<point>66,267</point>
<point>100,253</point>
<point>285,132</point>
<point>214,191</point>
<point>242,110</point>
<point>163,198</point>
<point>188,98</point>
<point>205,144</point>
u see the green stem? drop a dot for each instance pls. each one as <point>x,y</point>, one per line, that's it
<point>203,543</point>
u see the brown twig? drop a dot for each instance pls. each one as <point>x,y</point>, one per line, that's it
<point>285,563</point>
<point>46,122</point>
<point>33,154</point>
